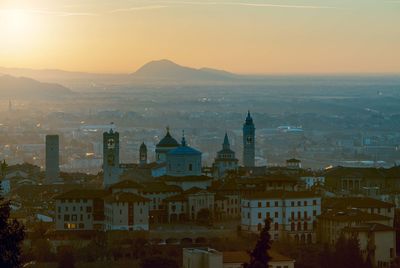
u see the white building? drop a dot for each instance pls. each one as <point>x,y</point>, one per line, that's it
<point>201,258</point>
<point>80,210</point>
<point>126,211</point>
<point>292,214</point>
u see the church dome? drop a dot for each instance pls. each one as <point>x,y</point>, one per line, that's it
<point>168,141</point>
<point>184,150</point>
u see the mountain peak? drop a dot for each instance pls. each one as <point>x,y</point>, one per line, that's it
<point>165,69</point>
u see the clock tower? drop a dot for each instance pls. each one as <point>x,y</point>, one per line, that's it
<point>111,167</point>
<point>249,142</point>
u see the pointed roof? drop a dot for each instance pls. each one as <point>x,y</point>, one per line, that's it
<point>226,144</point>
<point>249,119</point>
<point>168,141</point>
<point>143,146</point>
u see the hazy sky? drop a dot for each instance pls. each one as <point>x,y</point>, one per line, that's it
<point>245,36</point>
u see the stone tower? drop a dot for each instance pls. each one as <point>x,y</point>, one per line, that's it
<point>143,154</point>
<point>111,167</point>
<point>52,159</point>
<point>249,142</point>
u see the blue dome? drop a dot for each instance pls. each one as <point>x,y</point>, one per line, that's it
<point>184,150</point>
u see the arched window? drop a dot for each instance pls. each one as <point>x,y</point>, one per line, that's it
<point>299,226</point>
<point>305,226</point>
<point>293,227</point>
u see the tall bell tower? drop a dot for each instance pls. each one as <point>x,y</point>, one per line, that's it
<point>249,141</point>
<point>111,167</point>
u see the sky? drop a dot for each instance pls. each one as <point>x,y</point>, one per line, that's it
<point>242,36</point>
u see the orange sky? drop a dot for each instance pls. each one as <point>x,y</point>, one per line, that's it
<point>285,36</point>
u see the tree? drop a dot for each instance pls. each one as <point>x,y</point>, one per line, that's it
<point>12,233</point>
<point>159,262</point>
<point>347,253</point>
<point>66,258</point>
<point>259,257</point>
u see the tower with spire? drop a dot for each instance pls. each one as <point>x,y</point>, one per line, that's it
<point>249,140</point>
<point>225,160</point>
<point>143,154</point>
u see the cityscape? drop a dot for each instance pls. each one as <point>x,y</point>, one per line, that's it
<point>199,134</point>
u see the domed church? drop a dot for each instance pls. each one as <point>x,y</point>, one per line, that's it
<point>166,144</point>
<point>183,161</point>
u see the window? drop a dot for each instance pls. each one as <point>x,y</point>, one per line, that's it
<point>305,215</point>
<point>314,202</point>
<point>73,208</point>
<point>292,215</point>
<point>81,217</point>
<point>259,204</point>
<point>276,226</point>
<point>299,215</point>
<point>81,226</point>
<point>74,218</point>
<point>248,215</point>
<point>292,203</point>
<point>299,226</point>
<point>276,214</point>
<point>59,209</point>
<point>259,227</point>
<point>81,208</point>
<point>267,205</point>
<point>268,215</point>
<point>66,217</point>
<point>293,227</point>
<point>305,226</point>
<point>259,215</point>
<point>305,203</point>
<point>298,203</point>
<point>190,167</point>
<point>66,208</point>
<point>88,209</point>
<point>276,203</point>
<point>88,216</point>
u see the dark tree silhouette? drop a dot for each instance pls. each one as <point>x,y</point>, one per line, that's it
<point>259,257</point>
<point>66,258</point>
<point>12,233</point>
<point>159,262</point>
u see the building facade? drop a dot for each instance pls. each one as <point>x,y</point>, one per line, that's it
<point>292,214</point>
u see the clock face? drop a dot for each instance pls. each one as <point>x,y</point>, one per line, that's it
<point>110,143</point>
<point>249,139</point>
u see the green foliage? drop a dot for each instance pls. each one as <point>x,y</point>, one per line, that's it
<point>259,255</point>
<point>66,258</point>
<point>12,233</point>
<point>159,262</point>
<point>346,254</point>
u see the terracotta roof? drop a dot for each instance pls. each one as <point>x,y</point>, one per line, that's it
<point>176,198</point>
<point>367,227</point>
<point>351,215</point>
<point>83,194</point>
<point>186,178</point>
<point>160,187</point>
<point>126,184</point>
<point>355,202</point>
<point>126,197</point>
<point>280,194</point>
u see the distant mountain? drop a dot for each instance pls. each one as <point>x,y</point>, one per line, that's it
<point>167,70</point>
<point>22,87</point>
